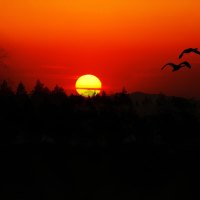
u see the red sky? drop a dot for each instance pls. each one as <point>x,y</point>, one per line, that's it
<point>123,42</point>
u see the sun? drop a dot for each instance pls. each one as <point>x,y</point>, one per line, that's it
<point>88,85</point>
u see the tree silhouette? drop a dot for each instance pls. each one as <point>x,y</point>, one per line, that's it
<point>21,91</point>
<point>58,90</point>
<point>5,89</point>
<point>39,89</point>
<point>111,118</point>
<point>40,94</point>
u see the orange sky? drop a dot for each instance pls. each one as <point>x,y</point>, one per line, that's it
<point>123,42</point>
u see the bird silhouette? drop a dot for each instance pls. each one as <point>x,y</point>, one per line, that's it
<point>177,67</point>
<point>189,50</point>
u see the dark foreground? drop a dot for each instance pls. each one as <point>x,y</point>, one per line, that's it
<point>125,146</point>
<point>131,172</point>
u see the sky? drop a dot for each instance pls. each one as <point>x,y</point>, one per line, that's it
<point>123,42</point>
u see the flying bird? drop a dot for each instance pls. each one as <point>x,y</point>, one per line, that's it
<point>177,67</point>
<point>189,50</point>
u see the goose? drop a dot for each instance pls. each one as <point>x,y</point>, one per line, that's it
<point>177,67</point>
<point>189,50</point>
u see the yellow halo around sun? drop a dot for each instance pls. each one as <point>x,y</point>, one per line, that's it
<point>88,85</point>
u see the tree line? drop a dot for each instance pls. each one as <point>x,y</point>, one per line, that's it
<point>52,116</point>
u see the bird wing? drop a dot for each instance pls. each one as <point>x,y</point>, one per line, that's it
<point>196,51</point>
<point>187,64</point>
<point>181,55</point>
<point>189,50</point>
<point>170,64</point>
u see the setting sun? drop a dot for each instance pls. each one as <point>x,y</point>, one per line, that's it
<point>88,85</point>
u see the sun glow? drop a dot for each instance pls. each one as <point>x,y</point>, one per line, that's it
<point>88,85</point>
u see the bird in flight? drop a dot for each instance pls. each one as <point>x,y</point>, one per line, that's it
<point>177,67</point>
<point>189,50</point>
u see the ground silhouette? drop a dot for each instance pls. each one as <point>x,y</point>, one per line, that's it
<point>122,146</point>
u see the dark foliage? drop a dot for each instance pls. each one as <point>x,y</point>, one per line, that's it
<point>45,115</point>
<point>121,146</point>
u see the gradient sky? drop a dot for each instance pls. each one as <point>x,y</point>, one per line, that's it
<point>123,42</point>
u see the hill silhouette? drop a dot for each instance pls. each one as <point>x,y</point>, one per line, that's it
<point>122,146</point>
